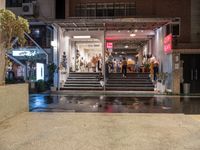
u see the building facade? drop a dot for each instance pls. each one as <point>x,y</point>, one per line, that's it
<point>110,21</point>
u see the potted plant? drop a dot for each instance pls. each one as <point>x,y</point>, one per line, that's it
<point>10,27</point>
<point>51,70</point>
<point>161,78</point>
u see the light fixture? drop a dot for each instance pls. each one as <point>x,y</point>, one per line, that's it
<point>54,43</point>
<point>82,37</point>
<point>135,30</point>
<point>126,46</point>
<point>132,34</point>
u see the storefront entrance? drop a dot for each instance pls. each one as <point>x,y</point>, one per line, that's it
<point>86,56</point>
<point>99,45</point>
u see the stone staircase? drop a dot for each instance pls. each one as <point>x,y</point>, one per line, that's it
<point>82,81</point>
<point>133,82</point>
<point>89,81</point>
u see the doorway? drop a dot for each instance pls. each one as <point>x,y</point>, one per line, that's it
<point>86,56</point>
<point>191,71</point>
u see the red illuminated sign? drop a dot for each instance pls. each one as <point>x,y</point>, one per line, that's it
<point>109,45</point>
<point>168,44</point>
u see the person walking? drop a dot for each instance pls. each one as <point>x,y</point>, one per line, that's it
<point>155,71</point>
<point>124,67</point>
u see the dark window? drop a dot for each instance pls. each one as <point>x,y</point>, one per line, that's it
<point>105,9</point>
<point>176,29</point>
<point>110,10</point>
<point>60,9</point>
<point>168,30</point>
<point>13,3</point>
<point>91,9</point>
<point>43,35</point>
<point>16,3</point>
<point>83,10</point>
<point>119,9</point>
<point>130,9</point>
<point>100,10</point>
<point>78,10</point>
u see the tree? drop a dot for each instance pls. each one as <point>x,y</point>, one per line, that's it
<point>11,27</point>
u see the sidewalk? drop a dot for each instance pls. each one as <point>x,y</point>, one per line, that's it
<point>100,131</point>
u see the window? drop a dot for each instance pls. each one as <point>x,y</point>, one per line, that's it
<point>91,9</point>
<point>100,10</point>
<point>130,9</point>
<point>109,10</point>
<point>13,3</point>
<point>175,29</point>
<point>105,9</point>
<point>119,9</point>
<point>16,3</point>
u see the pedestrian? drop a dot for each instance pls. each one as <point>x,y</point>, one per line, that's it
<point>124,67</point>
<point>155,70</point>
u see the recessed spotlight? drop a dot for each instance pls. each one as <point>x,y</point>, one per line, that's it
<point>126,46</point>
<point>135,30</point>
<point>132,34</point>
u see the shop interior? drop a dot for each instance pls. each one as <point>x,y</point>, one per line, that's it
<point>135,45</point>
<point>85,55</point>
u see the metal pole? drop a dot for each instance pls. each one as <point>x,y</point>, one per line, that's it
<point>104,69</point>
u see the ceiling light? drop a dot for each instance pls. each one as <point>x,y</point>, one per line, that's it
<point>132,34</point>
<point>82,37</point>
<point>136,30</point>
<point>126,46</point>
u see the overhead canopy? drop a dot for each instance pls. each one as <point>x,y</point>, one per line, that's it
<point>82,24</point>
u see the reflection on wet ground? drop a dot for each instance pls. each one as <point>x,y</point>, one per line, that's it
<point>113,104</point>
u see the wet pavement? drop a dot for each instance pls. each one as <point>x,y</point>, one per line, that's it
<point>114,104</point>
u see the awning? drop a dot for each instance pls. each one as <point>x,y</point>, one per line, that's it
<point>84,24</point>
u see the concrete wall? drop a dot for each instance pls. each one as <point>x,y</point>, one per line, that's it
<point>13,100</point>
<point>46,8</point>
<point>2,4</point>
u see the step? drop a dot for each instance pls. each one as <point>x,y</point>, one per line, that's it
<point>128,78</point>
<point>82,85</point>
<point>82,78</point>
<point>129,85</point>
<point>129,81</point>
<point>81,81</point>
<point>131,88</point>
<point>130,74</point>
<point>83,74</point>
<point>81,88</point>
